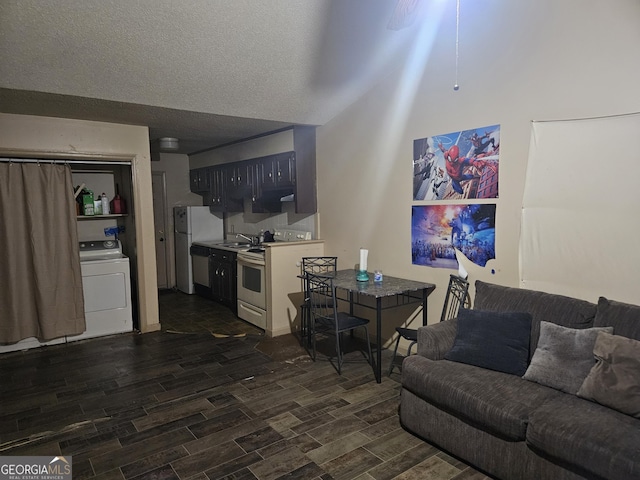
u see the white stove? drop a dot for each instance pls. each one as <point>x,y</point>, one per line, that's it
<point>252,277</point>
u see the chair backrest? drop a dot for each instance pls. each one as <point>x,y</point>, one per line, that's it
<point>321,294</point>
<point>457,296</point>
<point>319,265</point>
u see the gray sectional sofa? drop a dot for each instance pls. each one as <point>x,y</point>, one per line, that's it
<point>525,405</point>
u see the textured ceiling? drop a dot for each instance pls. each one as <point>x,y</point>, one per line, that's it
<point>205,71</point>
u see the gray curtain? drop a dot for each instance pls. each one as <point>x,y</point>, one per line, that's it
<point>40,279</point>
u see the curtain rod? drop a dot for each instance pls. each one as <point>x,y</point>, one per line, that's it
<point>61,161</point>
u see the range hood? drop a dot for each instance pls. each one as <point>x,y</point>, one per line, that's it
<point>278,195</point>
<point>288,198</point>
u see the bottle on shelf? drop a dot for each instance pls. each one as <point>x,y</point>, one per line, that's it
<point>105,203</point>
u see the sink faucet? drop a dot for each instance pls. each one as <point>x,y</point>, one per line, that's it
<point>251,240</point>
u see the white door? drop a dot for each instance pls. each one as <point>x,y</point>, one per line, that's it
<point>160,221</point>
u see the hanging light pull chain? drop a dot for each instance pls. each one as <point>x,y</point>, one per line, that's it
<point>456,86</point>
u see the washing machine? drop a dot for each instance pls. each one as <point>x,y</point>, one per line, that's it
<point>106,284</point>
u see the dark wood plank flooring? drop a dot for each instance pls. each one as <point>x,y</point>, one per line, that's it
<point>208,397</point>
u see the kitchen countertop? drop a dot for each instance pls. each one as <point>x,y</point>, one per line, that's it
<point>220,244</point>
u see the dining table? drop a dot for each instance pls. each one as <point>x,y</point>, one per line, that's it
<point>390,292</point>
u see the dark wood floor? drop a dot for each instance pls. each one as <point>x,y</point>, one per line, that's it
<point>208,397</point>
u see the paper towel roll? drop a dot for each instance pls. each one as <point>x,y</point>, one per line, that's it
<point>363,259</point>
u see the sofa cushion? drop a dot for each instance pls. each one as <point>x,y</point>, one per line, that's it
<point>495,340</point>
<point>543,307</point>
<point>599,440</point>
<point>564,356</point>
<point>614,380</point>
<point>492,401</point>
<point>623,317</point>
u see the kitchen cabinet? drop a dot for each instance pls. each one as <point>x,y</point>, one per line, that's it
<point>200,180</point>
<point>264,180</point>
<point>223,274</point>
<point>216,189</point>
<point>236,186</point>
<point>279,171</point>
<point>240,179</point>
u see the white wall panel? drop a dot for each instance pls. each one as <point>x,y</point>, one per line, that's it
<point>580,218</point>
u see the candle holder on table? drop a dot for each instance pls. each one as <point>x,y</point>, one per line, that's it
<point>362,276</point>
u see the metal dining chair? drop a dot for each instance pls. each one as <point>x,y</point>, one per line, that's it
<point>314,265</point>
<point>457,296</point>
<point>325,319</point>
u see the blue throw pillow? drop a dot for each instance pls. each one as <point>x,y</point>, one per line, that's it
<point>494,340</point>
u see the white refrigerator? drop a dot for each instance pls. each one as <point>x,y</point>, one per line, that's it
<point>192,224</point>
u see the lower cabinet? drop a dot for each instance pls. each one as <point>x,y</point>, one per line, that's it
<point>223,273</point>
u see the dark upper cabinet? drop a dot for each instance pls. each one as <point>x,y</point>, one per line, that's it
<point>200,180</point>
<point>239,179</point>
<point>279,171</point>
<point>217,200</point>
<point>263,180</point>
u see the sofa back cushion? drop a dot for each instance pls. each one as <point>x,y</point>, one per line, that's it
<point>495,340</point>
<point>543,307</point>
<point>623,317</point>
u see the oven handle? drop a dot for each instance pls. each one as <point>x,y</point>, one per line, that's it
<point>250,260</point>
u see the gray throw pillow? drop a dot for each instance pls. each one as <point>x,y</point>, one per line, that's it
<point>614,381</point>
<point>564,356</point>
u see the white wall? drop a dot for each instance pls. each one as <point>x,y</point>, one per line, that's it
<point>518,62</point>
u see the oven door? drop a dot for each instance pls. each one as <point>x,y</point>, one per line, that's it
<point>252,281</point>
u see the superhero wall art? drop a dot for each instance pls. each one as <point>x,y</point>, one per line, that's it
<point>459,165</point>
<point>437,231</point>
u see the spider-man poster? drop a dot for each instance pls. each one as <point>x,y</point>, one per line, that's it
<point>459,165</point>
<point>438,230</point>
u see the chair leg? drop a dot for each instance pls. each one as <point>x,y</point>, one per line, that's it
<point>339,352</point>
<point>395,352</point>
<point>312,333</point>
<point>410,347</point>
<point>306,325</point>
<point>370,359</point>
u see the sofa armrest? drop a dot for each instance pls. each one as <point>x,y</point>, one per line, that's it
<point>437,339</point>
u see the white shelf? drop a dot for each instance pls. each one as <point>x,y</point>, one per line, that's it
<point>100,217</point>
